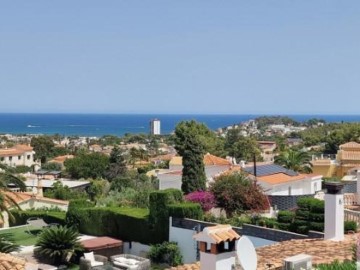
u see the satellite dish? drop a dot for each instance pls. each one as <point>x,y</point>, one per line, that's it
<point>246,253</point>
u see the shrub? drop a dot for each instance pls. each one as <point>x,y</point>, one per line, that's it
<point>7,246</point>
<point>270,222</point>
<point>285,216</point>
<point>186,210</point>
<point>205,198</point>
<point>350,226</point>
<point>167,252</point>
<point>235,192</point>
<point>57,243</point>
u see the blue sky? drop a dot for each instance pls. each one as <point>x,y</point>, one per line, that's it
<point>184,56</point>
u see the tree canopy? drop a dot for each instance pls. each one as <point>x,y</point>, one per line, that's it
<point>295,160</point>
<point>237,193</point>
<point>190,138</point>
<point>87,165</point>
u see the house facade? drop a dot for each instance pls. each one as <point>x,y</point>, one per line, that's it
<point>18,155</point>
<point>276,180</point>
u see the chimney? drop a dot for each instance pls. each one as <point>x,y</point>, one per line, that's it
<point>217,246</point>
<point>334,211</point>
<point>39,188</point>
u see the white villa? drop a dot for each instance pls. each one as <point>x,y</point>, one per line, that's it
<point>18,155</point>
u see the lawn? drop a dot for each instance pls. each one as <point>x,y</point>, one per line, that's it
<point>21,235</point>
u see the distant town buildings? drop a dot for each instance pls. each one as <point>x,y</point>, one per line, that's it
<point>155,127</point>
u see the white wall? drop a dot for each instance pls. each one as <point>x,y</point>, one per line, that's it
<point>137,249</point>
<point>302,187</point>
<point>26,158</point>
<point>185,241</point>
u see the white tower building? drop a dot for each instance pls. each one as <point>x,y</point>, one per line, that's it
<point>155,127</point>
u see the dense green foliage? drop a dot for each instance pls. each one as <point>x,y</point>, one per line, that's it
<point>87,165</point>
<point>6,246</point>
<point>285,219</point>
<point>308,216</point>
<point>51,166</point>
<point>58,244</point>
<point>117,164</point>
<point>43,147</point>
<point>7,178</point>
<point>350,226</point>
<point>295,160</point>
<point>240,147</point>
<point>61,192</point>
<point>49,216</point>
<point>166,252</point>
<point>348,265</point>
<point>186,210</point>
<point>237,193</point>
<point>190,142</point>
<point>332,134</point>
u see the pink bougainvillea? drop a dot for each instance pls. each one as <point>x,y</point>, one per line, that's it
<point>205,198</point>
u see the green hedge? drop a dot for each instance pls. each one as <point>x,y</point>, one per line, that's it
<point>20,217</point>
<point>285,216</point>
<point>186,210</point>
<point>127,224</point>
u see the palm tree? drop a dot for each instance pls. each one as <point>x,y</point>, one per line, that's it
<point>7,178</point>
<point>295,160</point>
<point>58,244</point>
<point>7,246</point>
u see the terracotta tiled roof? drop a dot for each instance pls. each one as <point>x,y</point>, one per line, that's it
<point>214,160</point>
<point>16,150</point>
<point>322,251</point>
<point>61,159</point>
<point>208,160</point>
<point>280,178</point>
<point>217,234</point>
<point>8,262</point>
<point>350,145</point>
<point>20,197</point>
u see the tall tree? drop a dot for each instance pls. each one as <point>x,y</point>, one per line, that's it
<point>43,147</point>
<point>189,143</point>
<point>244,148</point>
<point>117,166</point>
<point>295,160</point>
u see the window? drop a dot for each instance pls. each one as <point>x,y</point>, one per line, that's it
<point>289,190</point>
<point>19,157</point>
<point>28,157</point>
<point>2,159</point>
<point>10,158</point>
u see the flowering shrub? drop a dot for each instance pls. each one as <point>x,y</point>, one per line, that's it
<point>205,198</point>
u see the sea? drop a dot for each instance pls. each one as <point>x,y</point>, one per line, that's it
<point>97,125</point>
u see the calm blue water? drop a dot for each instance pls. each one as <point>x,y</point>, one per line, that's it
<point>102,124</point>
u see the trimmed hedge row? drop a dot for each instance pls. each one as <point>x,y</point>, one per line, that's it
<point>20,217</point>
<point>186,210</point>
<point>133,224</point>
